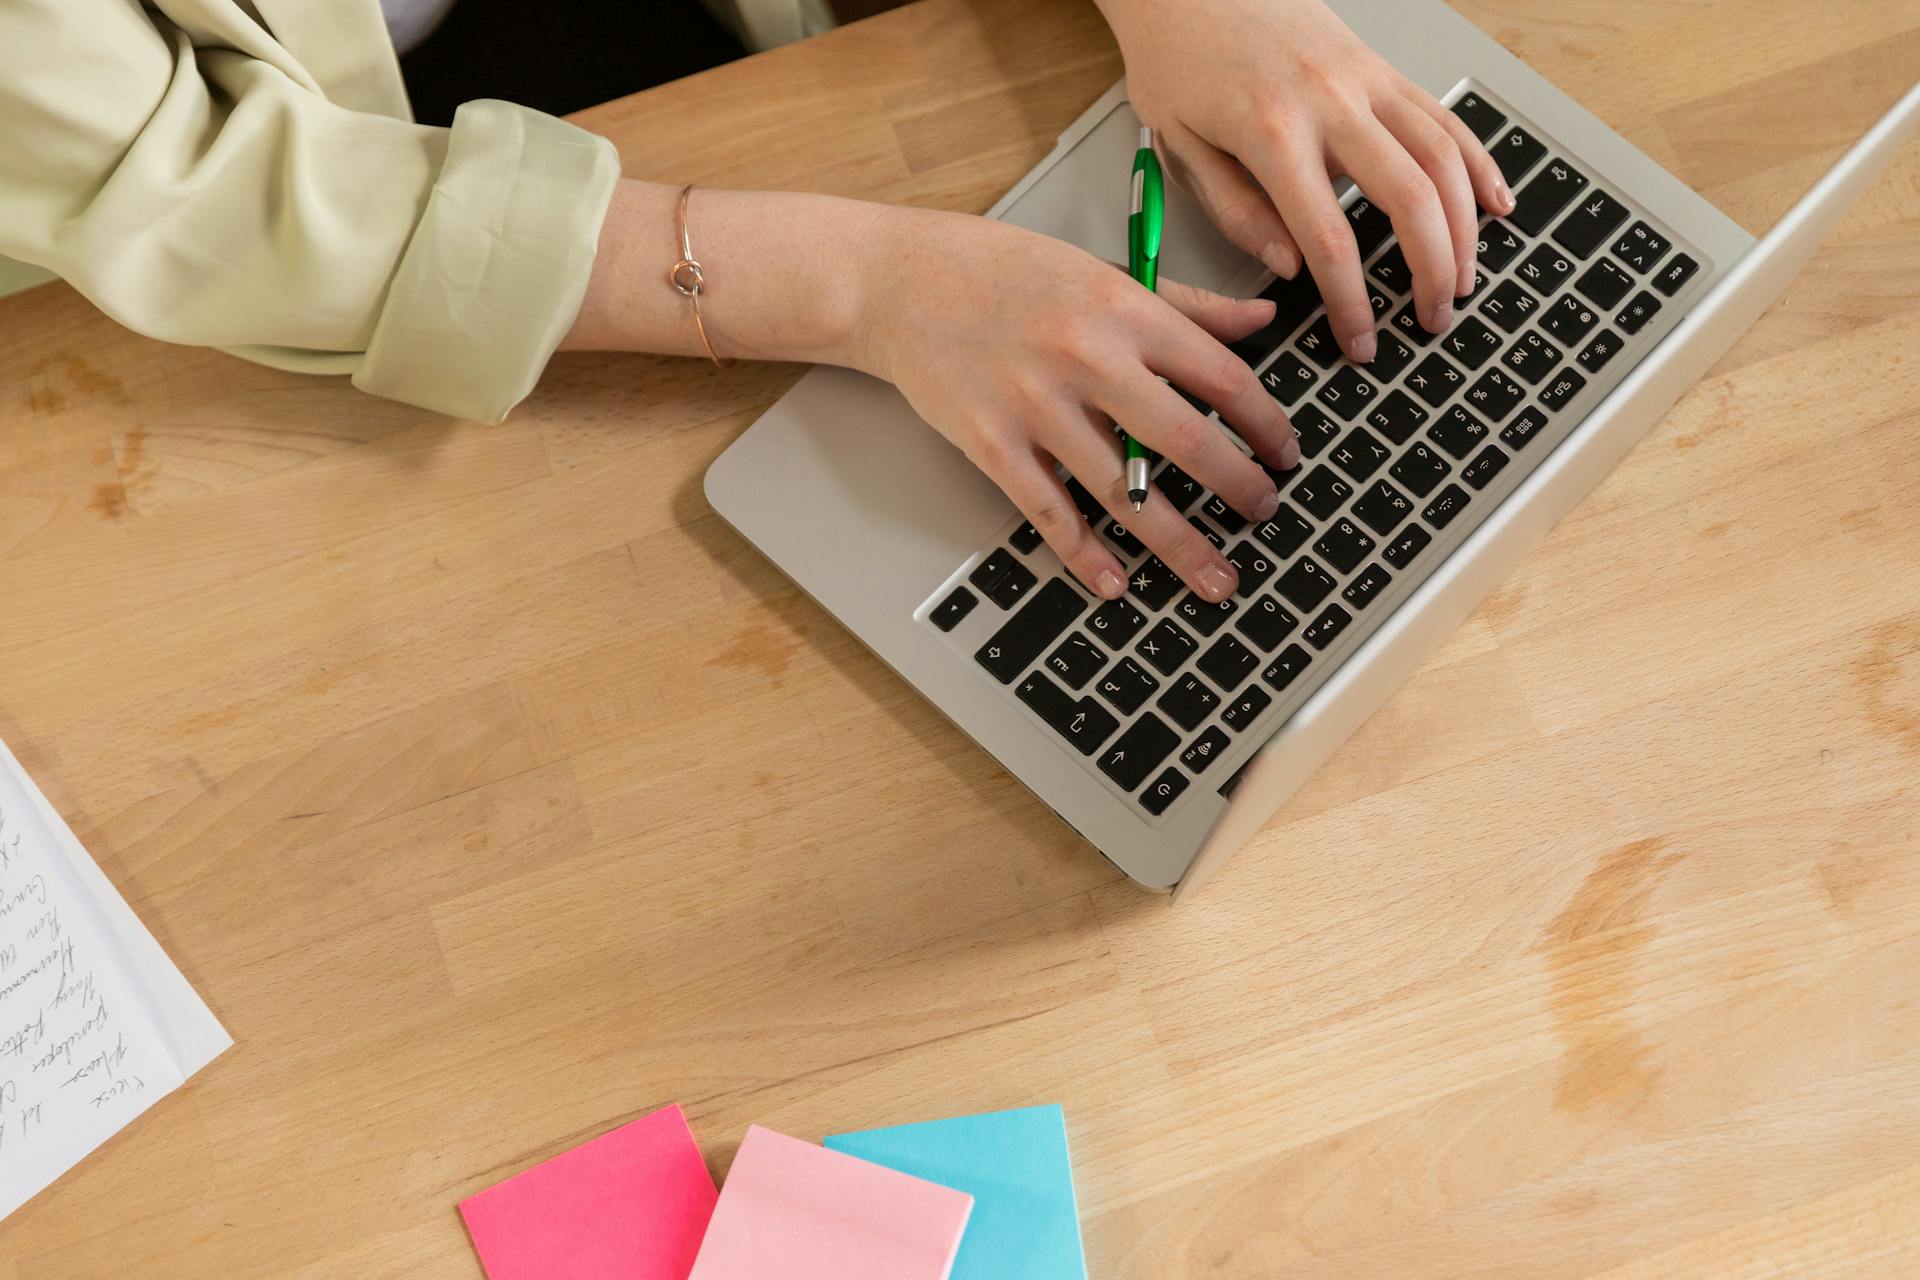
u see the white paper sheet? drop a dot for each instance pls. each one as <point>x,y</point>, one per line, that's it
<point>96,1024</point>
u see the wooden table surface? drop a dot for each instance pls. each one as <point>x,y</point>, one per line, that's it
<point>493,792</point>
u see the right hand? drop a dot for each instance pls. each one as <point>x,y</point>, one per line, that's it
<point>1024,350</point>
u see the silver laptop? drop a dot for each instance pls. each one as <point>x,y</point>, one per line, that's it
<point>1167,730</point>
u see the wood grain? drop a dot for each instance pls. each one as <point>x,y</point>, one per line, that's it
<point>493,792</point>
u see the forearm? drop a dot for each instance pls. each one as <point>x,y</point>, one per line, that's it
<point>783,270</point>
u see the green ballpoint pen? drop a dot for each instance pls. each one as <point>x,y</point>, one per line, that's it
<point>1144,228</point>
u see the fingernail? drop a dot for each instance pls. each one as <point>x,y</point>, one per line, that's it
<point>1281,259</point>
<point>1362,349</point>
<point>1504,197</point>
<point>1109,585</point>
<point>1262,307</point>
<point>1216,584</point>
<point>1464,285</point>
<point>1264,509</point>
<point>1441,318</point>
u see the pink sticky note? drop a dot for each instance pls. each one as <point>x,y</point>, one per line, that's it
<point>799,1212</point>
<point>632,1205</point>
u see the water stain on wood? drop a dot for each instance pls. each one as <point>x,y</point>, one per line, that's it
<point>52,381</point>
<point>1888,677</point>
<point>767,643</point>
<point>1608,1066</point>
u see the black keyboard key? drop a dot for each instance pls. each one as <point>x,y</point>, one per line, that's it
<point>1026,539</point>
<point>1288,378</point>
<point>1485,466</point>
<point>1361,454</point>
<point>1516,153</point>
<point>1084,723</point>
<point>1496,395</point>
<point>1181,489</point>
<point>1393,272</point>
<point>1316,429</point>
<point>1380,301</point>
<point>1499,245</point>
<point>1433,380</point>
<point>1138,751</point>
<point>1077,660</point>
<point>1255,565</point>
<point>1406,323</point>
<point>1641,247</point>
<point>1532,358</point>
<point>1521,431</point>
<point>1445,506</point>
<point>1569,319</point>
<point>1116,622</point>
<point>1285,534</point>
<point>1411,542</point>
<point>1127,686</point>
<point>1283,670</point>
<point>1002,578</point>
<point>1347,393</point>
<point>1458,432</point>
<point>1605,283</point>
<point>1166,788</point>
<point>1479,283</point>
<point>1205,530</point>
<point>1202,614</point>
<point>1591,224</point>
<point>1245,709</point>
<point>1382,508</point>
<point>1390,356</point>
<point>1306,584</point>
<point>1326,628</point>
<point>1321,492</point>
<point>1266,623</point>
<point>1205,749</point>
<point>1153,583</point>
<point>1471,342</point>
<point>1594,356</point>
<point>1188,701</point>
<point>1420,469</point>
<point>1397,417</point>
<point>1318,343</point>
<point>1026,635</point>
<point>1480,117</point>
<point>1634,316</point>
<point>947,614</point>
<point>1294,300</point>
<point>1509,306</point>
<point>1546,269</point>
<point>1366,588</point>
<point>1227,663</point>
<point>1090,509</point>
<point>1551,190</point>
<point>1167,647</point>
<point>1344,545</point>
<point>1672,277</point>
<point>1371,226</point>
<point>1562,389</point>
<point>1217,510</point>
<point>1123,541</point>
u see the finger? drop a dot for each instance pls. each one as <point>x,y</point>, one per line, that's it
<point>1489,184</point>
<point>1030,481</point>
<point>1197,363</point>
<point>1296,180</point>
<point>1228,319</point>
<point>1435,151</point>
<point>1232,200</point>
<point>1394,181</point>
<point>1159,418</point>
<point>1085,447</point>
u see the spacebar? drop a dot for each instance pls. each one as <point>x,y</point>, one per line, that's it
<point>1037,625</point>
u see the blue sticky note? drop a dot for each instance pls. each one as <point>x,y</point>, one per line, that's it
<point>1026,1223</point>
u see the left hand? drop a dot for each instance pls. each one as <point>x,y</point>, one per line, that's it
<point>1259,104</point>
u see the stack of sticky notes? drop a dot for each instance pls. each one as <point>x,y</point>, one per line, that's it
<point>968,1199</point>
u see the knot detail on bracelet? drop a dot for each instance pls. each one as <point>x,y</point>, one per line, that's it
<point>687,277</point>
<point>690,279</point>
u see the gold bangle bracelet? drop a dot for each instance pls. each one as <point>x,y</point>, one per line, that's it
<point>690,280</point>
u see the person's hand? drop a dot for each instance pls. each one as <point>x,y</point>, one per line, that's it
<point>1023,351</point>
<point>1258,104</point>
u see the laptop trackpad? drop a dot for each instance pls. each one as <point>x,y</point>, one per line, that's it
<point>1085,198</point>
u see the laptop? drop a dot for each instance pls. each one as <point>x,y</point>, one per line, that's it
<point>1164,729</point>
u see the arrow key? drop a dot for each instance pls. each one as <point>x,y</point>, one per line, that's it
<point>1135,753</point>
<point>1084,723</point>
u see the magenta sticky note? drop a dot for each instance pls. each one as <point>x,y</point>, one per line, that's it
<point>632,1204</point>
<point>799,1212</point>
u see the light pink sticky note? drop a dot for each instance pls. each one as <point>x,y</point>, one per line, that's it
<point>799,1212</point>
<point>630,1205</point>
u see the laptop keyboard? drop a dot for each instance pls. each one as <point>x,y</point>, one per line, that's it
<point>1401,459</point>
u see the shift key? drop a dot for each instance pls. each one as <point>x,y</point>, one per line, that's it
<point>1039,623</point>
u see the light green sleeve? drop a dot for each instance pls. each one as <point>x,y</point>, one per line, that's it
<point>201,195</point>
